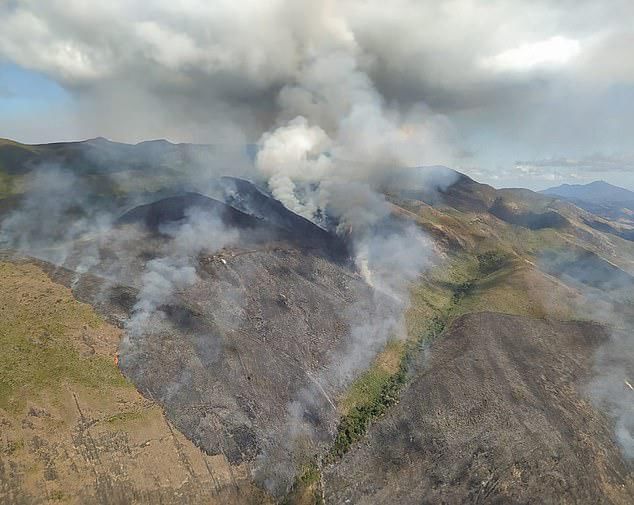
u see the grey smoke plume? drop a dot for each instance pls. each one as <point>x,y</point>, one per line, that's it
<point>340,131</point>
<point>174,270</point>
<point>334,150</point>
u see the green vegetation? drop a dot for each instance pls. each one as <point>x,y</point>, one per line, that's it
<point>306,488</point>
<point>491,261</point>
<point>354,424</point>
<point>124,417</point>
<point>37,322</point>
<point>8,184</point>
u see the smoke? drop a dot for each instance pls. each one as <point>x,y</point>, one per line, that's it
<point>612,387</point>
<point>608,299</point>
<point>294,152</point>
<point>173,271</point>
<point>336,143</point>
<point>57,209</point>
<point>342,131</point>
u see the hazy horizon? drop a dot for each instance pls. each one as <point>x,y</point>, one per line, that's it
<point>535,187</point>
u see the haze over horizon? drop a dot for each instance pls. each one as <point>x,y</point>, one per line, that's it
<point>548,183</point>
<point>531,95</point>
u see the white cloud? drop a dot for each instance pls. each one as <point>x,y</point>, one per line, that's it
<point>203,71</point>
<point>549,53</point>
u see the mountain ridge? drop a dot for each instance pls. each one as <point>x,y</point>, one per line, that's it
<point>595,192</point>
<point>246,345</point>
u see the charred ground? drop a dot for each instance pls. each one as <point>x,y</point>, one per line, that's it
<point>484,402</point>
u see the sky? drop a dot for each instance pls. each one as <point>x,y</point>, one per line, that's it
<point>513,93</point>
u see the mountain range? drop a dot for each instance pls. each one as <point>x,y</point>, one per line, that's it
<point>141,367</point>
<point>598,197</point>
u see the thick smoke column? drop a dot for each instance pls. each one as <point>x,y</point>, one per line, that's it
<point>334,152</point>
<point>329,159</point>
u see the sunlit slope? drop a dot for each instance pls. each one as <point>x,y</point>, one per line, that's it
<point>74,430</point>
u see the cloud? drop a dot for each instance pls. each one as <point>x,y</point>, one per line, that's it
<point>502,80</point>
<point>553,52</point>
<point>235,52</point>
<point>593,163</point>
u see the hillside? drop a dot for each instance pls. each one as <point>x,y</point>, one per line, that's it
<point>74,430</point>
<point>496,415</point>
<point>257,355</point>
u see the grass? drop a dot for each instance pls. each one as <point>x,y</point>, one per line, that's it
<point>9,184</point>
<point>378,388</point>
<point>306,488</point>
<point>39,321</point>
<point>124,417</point>
<point>369,385</point>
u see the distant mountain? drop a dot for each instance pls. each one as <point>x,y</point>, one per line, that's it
<point>600,198</point>
<point>596,192</point>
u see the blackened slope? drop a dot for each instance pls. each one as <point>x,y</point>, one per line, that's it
<point>530,220</point>
<point>236,348</point>
<point>496,416</point>
<point>271,222</point>
<point>587,268</point>
<point>626,234</point>
<point>175,209</point>
<point>247,197</point>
